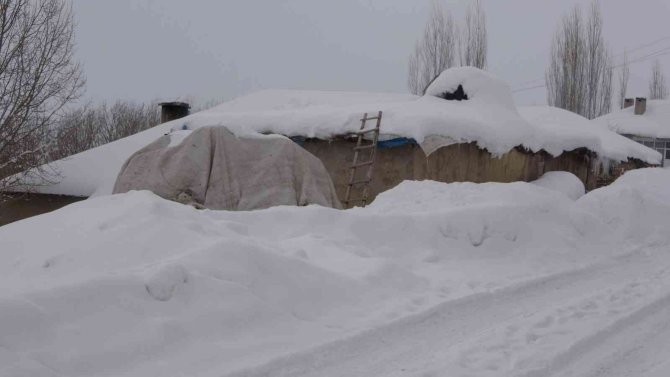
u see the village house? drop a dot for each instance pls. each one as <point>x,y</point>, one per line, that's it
<point>647,122</point>
<point>465,128</point>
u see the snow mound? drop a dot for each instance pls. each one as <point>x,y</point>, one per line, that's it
<point>176,291</point>
<point>636,204</point>
<point>478,85</point>
<point>566,183</point>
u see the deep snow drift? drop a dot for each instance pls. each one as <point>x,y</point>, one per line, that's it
<point>489,118</point>
<point>431,279</point>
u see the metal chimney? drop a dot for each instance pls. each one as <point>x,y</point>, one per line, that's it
<point>640,105</point>
<point>173,110</point>
<point>628,102</point>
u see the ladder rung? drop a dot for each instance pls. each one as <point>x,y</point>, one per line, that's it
<point>361,164</point>
<point>354,183</point>
<point>363,132</point>
<point>373,118</point>
<point>365,147</point>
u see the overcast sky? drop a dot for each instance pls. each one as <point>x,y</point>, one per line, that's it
<point>207,50</point>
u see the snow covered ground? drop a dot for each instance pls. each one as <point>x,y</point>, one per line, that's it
<point>431,279</point>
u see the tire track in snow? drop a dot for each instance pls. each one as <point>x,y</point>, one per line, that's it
<point>415,345</point>
<point>636,345</point>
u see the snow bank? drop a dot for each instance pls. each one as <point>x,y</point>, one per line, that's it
<point>133,285</point>
<point>655,122</point>
<point>636,204</point>
<point>566,183</point>
<point>488,118</point>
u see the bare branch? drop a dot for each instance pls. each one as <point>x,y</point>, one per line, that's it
<point>658,88</point>
<point>624,76</point>
<point>435,52</point>
<point>579,77</point>
<point>38,77</point>
<point>473,40</point>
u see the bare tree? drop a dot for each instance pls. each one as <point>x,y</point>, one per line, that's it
<point>624,75</point>
<point>473,39</point>
<point>124,119</point>
<point>598,67</point>
<point>434,52</point>
<point>91,126</point>
<point>564,77</point>
<point>658,88</point>
<point>76,132</point>
<point>579,77</point>
<point>38,77</point>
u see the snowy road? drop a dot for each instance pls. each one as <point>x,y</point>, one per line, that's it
<point>539,328</point>
<point>430,280</point>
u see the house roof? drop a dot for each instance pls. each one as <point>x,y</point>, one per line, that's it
<point>575,131</point>
<point>488,117</point>
<point>655,122</point>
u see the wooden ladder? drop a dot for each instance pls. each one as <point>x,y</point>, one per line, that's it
<point>363,183</point>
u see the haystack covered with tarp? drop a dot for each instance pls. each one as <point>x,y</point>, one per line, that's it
<point>213,168</point>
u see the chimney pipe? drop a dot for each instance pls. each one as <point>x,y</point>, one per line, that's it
<point>173,110</point>
<point>640,105</point>
<point>628,102</point>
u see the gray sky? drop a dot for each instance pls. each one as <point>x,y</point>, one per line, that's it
<point>207,50</point>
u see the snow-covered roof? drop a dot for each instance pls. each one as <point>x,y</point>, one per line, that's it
<point>655,122</point>
<point>577,131</point>
<point>488,117</point>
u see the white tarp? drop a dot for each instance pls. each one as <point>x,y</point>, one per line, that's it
<point>215,169</point>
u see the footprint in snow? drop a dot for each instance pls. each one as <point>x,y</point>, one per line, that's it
<point>163,283</point>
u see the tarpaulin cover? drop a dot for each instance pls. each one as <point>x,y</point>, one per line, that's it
<point>215,169</point>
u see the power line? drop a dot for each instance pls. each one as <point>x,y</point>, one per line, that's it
<point>635,60</point>
<point>657,54</point>
<point>643,46</point>
<point>529,88</point>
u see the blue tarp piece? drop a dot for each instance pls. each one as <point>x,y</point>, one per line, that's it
<point>393,143</point>
<point>386,144</point>
<point>300,140</point>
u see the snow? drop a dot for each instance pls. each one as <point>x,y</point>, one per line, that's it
<point>431,279</point>
<point>578,131</point>
<point>566,183</point>
<point>480,86</point>
<point>655,122</point>
<point>489,118</point>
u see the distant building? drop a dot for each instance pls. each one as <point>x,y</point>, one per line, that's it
<point>647,122</point>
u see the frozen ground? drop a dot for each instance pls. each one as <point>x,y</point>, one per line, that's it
<point>430,280</point>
